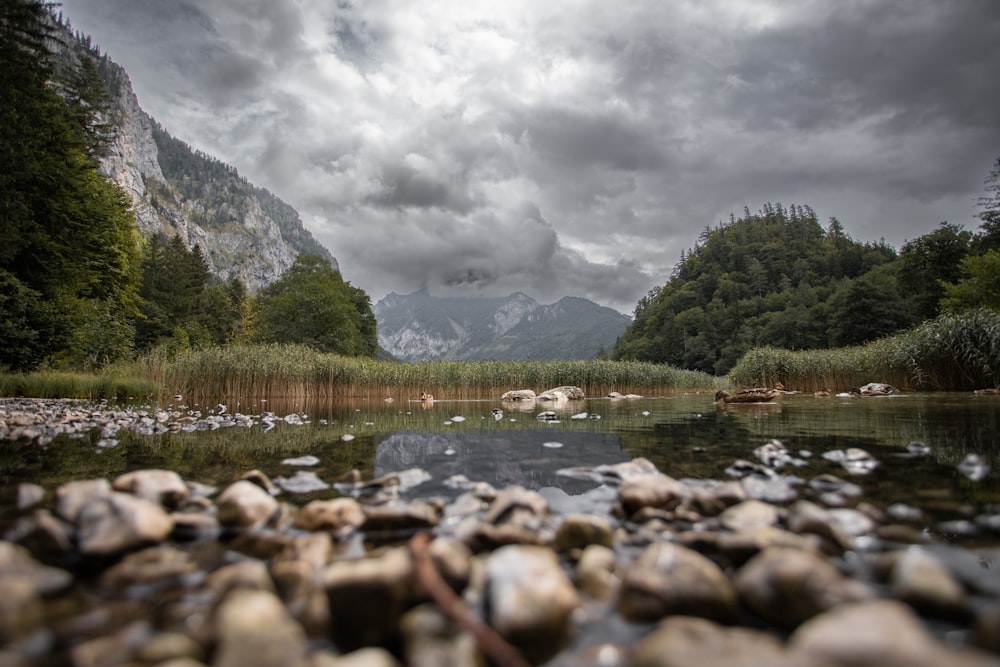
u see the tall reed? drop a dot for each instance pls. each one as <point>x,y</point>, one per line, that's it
<point>294,370</point>
<point>109,384</point>
<point>951,352</point>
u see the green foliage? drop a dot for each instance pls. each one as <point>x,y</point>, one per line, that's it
<point>979,289</point>
<point>182,305</point>
<point>766,279</point>
<point>311,304</point>
<point>110,384</point>
<point>929,262</point>
<point>68,233</point>
<point>950,352</point>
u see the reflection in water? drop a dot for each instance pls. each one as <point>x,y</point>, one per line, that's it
<point>501,457</point>
<point>683,435</point>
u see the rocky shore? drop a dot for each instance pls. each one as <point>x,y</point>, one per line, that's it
<point>761,568</point>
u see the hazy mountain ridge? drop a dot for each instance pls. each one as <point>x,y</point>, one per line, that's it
<point>243,230</point>
<point>421,327</point>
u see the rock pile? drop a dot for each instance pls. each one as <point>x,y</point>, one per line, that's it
<point>147,569</point>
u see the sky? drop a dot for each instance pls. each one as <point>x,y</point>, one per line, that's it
<point>570,148</point>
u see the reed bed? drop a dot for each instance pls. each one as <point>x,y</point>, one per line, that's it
<point>111,385</point>
<point>298,371</point>
<point>950,353</point>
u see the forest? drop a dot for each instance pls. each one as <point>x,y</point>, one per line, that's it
<point>778,278</point>
<point>79,287</point>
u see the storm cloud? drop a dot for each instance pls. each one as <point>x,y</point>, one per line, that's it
<point>570,148</point>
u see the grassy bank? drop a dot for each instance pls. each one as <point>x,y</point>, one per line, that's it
<point>951,353</point>
<point>113,384</point>
<point>296,371</point>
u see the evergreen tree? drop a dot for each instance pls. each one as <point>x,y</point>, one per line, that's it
<point>929,262</point>
<point>70,250</point>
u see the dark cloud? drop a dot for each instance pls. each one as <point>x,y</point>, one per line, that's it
<point>485,148</point>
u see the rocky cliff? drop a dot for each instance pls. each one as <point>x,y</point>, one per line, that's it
<point>421,327</point>
<point>242,230</point>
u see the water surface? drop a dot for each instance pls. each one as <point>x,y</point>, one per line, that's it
<point>683,435</point>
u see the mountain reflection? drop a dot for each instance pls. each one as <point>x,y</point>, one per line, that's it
<point>528,458</point>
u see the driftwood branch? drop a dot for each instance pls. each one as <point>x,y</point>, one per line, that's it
<point>495,647</point>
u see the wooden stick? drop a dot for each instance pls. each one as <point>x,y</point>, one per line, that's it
<point>495,647</point>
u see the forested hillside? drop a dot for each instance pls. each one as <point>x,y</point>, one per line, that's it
<point>779,278</point>
<point>114,245</point>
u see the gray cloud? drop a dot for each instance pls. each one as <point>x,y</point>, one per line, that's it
<point>483,147</point>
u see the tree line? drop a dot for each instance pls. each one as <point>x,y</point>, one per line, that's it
<point>79,286</point>
<point>779,278</point>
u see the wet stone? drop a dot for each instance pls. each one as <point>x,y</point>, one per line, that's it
<point>657,491</point>
<point>255,630</point>
<point>578,531</point>
<point>163,487</point>
<point>670,579</point>
<point>685,641</point>
<point>750,514</point>
<point>530,600</point>
<point>335,515</point>
<point>368,596</point>
<point>72,497</point>
<point>877,632</point>
<point>245,504</point>
<point>120,522</point>
<point>787,587</point>
<point>401,517</point>
<point>923,582</point>
<point>595,574</point>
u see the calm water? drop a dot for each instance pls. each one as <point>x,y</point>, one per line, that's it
<point>685,436</point>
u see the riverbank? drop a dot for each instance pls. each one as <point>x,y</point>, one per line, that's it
<point>148,567</point>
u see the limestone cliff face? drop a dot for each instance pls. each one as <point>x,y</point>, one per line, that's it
<point>242,230</point>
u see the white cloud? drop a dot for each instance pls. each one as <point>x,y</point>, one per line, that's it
<point>569,148</point>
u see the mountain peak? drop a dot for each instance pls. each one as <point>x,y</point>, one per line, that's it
<point>421,327</point>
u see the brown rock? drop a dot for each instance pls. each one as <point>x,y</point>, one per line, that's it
<point>579,531</point>
<point>164,487</point>
<point>684,641</point>
<point>922,581</point>
<point>255,630</point>
<point>72,497</point>
<point>120,522</point>
<point>336,514</point>
<point>750,514</point>
<point>245,504</point>
<point>879,633</point>
<point>787,587</point>
<point>595,573</point>
<point>368,596</point>
<point>670,579</point>
<point>530,600</point>
<point>657,491</point>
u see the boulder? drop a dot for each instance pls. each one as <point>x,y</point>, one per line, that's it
<point>164,487</point>
<point>564,393</point>
<point>255,630</point>
<point>120,522</point>
<point>244,504</point>
<point>518,395</point>
<point>668,579</point>
<point>787,587</point>
<point>530,600</point>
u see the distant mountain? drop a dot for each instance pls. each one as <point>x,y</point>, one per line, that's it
<point>242,230</point>
<point>421,327</point>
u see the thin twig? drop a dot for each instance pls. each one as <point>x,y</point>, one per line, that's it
<point>490,642</point>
